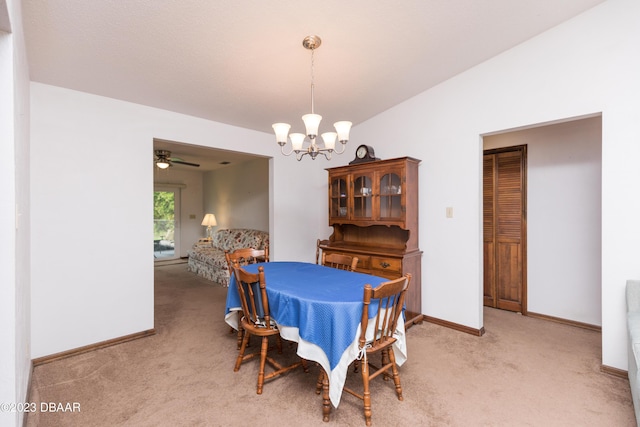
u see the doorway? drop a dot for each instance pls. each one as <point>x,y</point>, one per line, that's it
<point>166,220</point>
<point>505,228</point>
<point>563,251</point>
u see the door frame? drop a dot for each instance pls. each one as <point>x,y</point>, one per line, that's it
<point>523,230</point>
<point>176,218</point>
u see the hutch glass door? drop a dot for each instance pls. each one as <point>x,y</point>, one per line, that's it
<point>338,199</point>
<point>390,196</point>
<point>362,197</point>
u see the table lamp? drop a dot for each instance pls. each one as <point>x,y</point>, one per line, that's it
<point>209,221</point>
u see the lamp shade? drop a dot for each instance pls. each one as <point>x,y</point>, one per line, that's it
<point>297,139</point>
<point>209,220</point>
<point>343,129</point>
<point>311,123</point>
<point>329,139</point>
<point>281,130</point>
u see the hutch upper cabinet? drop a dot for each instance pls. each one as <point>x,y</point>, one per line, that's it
<point>373,209</point>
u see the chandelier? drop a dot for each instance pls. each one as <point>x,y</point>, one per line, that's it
<point>311,123</point>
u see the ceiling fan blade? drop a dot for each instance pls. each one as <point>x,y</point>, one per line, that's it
<point>182,162</point>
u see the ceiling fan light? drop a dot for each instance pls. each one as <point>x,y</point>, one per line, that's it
<point>163,164</point>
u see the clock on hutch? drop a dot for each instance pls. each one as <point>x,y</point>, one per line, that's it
<point>373,209</point>
<point>364,153</point>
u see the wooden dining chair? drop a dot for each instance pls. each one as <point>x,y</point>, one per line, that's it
<point>390,299</point>
<point>257,321</point>
<point>340,261</point>
<point>245,256</point>
<point>318,250</point>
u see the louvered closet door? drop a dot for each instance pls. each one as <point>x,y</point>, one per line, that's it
<point>504,229</point>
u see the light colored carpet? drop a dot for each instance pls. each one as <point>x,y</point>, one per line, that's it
<point>522,372</point>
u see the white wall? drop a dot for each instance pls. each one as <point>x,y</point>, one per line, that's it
<point>564,197</point>
<point>83,207</point>
<point>297,205</point>
<point>238,195</point>
<point>8,305</point>
<point>15,363</point>
<point>587,65</point>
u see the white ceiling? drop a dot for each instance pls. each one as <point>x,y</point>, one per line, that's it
<point>242,62</point>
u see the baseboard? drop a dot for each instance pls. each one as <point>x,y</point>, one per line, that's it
<point>480,332</point>
<point>456,326</point>
<point>614,371</point>
<point>588,326</point>
<point>92,347</point>
<point>160,263</point>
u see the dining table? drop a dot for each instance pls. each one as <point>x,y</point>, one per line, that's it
<point>320,308</point>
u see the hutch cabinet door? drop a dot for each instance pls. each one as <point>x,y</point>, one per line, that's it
<point>391,203</point>
<point>362,196</point>
<point>338,197</point>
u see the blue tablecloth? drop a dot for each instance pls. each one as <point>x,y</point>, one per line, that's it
<point>320,308</point>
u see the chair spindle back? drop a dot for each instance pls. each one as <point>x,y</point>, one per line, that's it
<point>252,289</point>
<point>340,261</point>
<point>246,256</point>
<point>389,296</point>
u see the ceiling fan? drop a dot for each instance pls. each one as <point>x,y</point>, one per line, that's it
<point>164,160</point>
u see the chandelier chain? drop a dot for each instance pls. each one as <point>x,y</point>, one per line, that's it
<point>312,80</point>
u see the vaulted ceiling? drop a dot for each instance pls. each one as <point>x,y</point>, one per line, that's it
<point>242,62</point>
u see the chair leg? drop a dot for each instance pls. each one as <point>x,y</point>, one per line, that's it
<point>396,375</point>
<point>384,361</point>
<point>366,394</point>
<point>243,347</point>
<point>326,402</point>
<point>319,381</point>
<point>240,329</point>
<point>322,385</point>
<point>263,359</point>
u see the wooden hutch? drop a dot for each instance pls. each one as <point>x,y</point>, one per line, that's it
<point>373,209</point>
